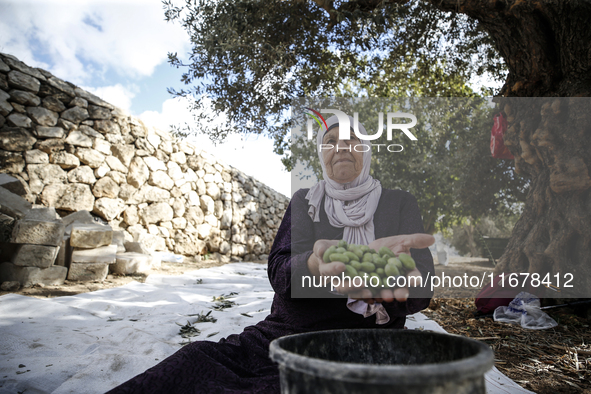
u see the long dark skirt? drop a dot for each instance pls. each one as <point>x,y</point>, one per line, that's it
<point>236,364</point>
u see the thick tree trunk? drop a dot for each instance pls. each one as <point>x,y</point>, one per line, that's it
<point>547,49</point>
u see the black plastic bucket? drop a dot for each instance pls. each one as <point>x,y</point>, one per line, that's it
<point>380,361</point>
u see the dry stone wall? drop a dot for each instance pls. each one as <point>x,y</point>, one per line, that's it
<point>73,151</point>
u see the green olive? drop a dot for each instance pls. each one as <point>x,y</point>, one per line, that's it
<point>396,262</point>
<point>407,261</point>
<point>352,256</point>
<point>350,271</point>
<point>327,253</point>
<point>367,257</point>
<point>339,257</point>
<point>386,252</point>
<point>368,267</point>
<point>391,270</point>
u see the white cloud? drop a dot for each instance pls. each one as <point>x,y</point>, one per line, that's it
<point>253,156</point>
<point>117,95</point>
<point>82,40</point>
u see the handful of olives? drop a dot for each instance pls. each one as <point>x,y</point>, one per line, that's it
<point>360,260</point>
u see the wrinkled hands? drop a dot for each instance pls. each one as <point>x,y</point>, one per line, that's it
<point>397,244</point>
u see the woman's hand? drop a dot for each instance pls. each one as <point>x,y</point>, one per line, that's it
<point>403,243</point>
<point>316,264</point>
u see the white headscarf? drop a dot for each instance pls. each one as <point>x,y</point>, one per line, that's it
<point>363,195</point>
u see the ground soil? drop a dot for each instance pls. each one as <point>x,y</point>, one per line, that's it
<point>556,360</point>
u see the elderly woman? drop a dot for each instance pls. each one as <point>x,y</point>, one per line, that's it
<point>348,204</point>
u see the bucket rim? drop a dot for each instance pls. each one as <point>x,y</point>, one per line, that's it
<point>433,373</point>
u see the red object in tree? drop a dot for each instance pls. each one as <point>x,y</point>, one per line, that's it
<point>497,146</point>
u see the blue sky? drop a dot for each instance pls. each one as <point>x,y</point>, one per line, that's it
<point>118,50</point>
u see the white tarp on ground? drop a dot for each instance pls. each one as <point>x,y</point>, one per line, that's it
<point>90,343</point>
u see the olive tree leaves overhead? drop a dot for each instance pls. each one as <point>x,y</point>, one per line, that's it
<point>249,59</point>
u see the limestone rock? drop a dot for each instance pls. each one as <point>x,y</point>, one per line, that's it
<point>151,242</point>
<point>65,160</point>
<point>89,236</point>
<point>78,102</point>
<point>89,131</point>
<point>88,272</point>
<point>19,120</point>
<point>61,85</point>
<point>118,177</point>
<point>24,98</point>
<point>23,81</point>
<point>50,145</point>
<point>109,208</point>
<point>82,217</point>
<point>213,191</point>
<point>41,256</point>
<point>105,187</point>
<point>16,139</point>
<point>97,112</point>
<point>102,255</point>
<point>186,244</point>
<point>161,179</point>
<point>13,285</point>
<point>90,157</point>
<point>178,157</point>
<point>142,144</point>
<point>91,98</point>
<point>179,223</point>
<point>138,172</point>
<point>82,174</point>
<point>49,132</point>
<point>115,164</point>
<point>39,212</point>
<point>52,103</point>
<point>29,276</point>
<point>44,174</point>
<point>119,240</point>
<point>194,215</point>
<point>38,232</point>
<point>131,263</point>
<point>13,205</point>
<point>42,116</point>
<point>174,171</point>
<point>75,114</point>
<point>124,153</point>
<point>13,185</point>
<point>103,146</point>
<point>207,204</point>
<point>78,138</point>
<point>136,247</point>
<point>195,162</point>
<point>107,127</point>
<point>131,215</point>
<point>157,212</point>
<point>72,197</point>
<point>126,192</point>
<point>179,207</point>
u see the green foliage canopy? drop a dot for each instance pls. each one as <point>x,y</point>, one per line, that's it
<point>251,58</point>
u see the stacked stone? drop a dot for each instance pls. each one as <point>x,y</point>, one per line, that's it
<point>36,240</point>
<point>73,151</point>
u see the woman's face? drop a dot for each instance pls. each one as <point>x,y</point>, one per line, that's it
<point>342,166</point>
